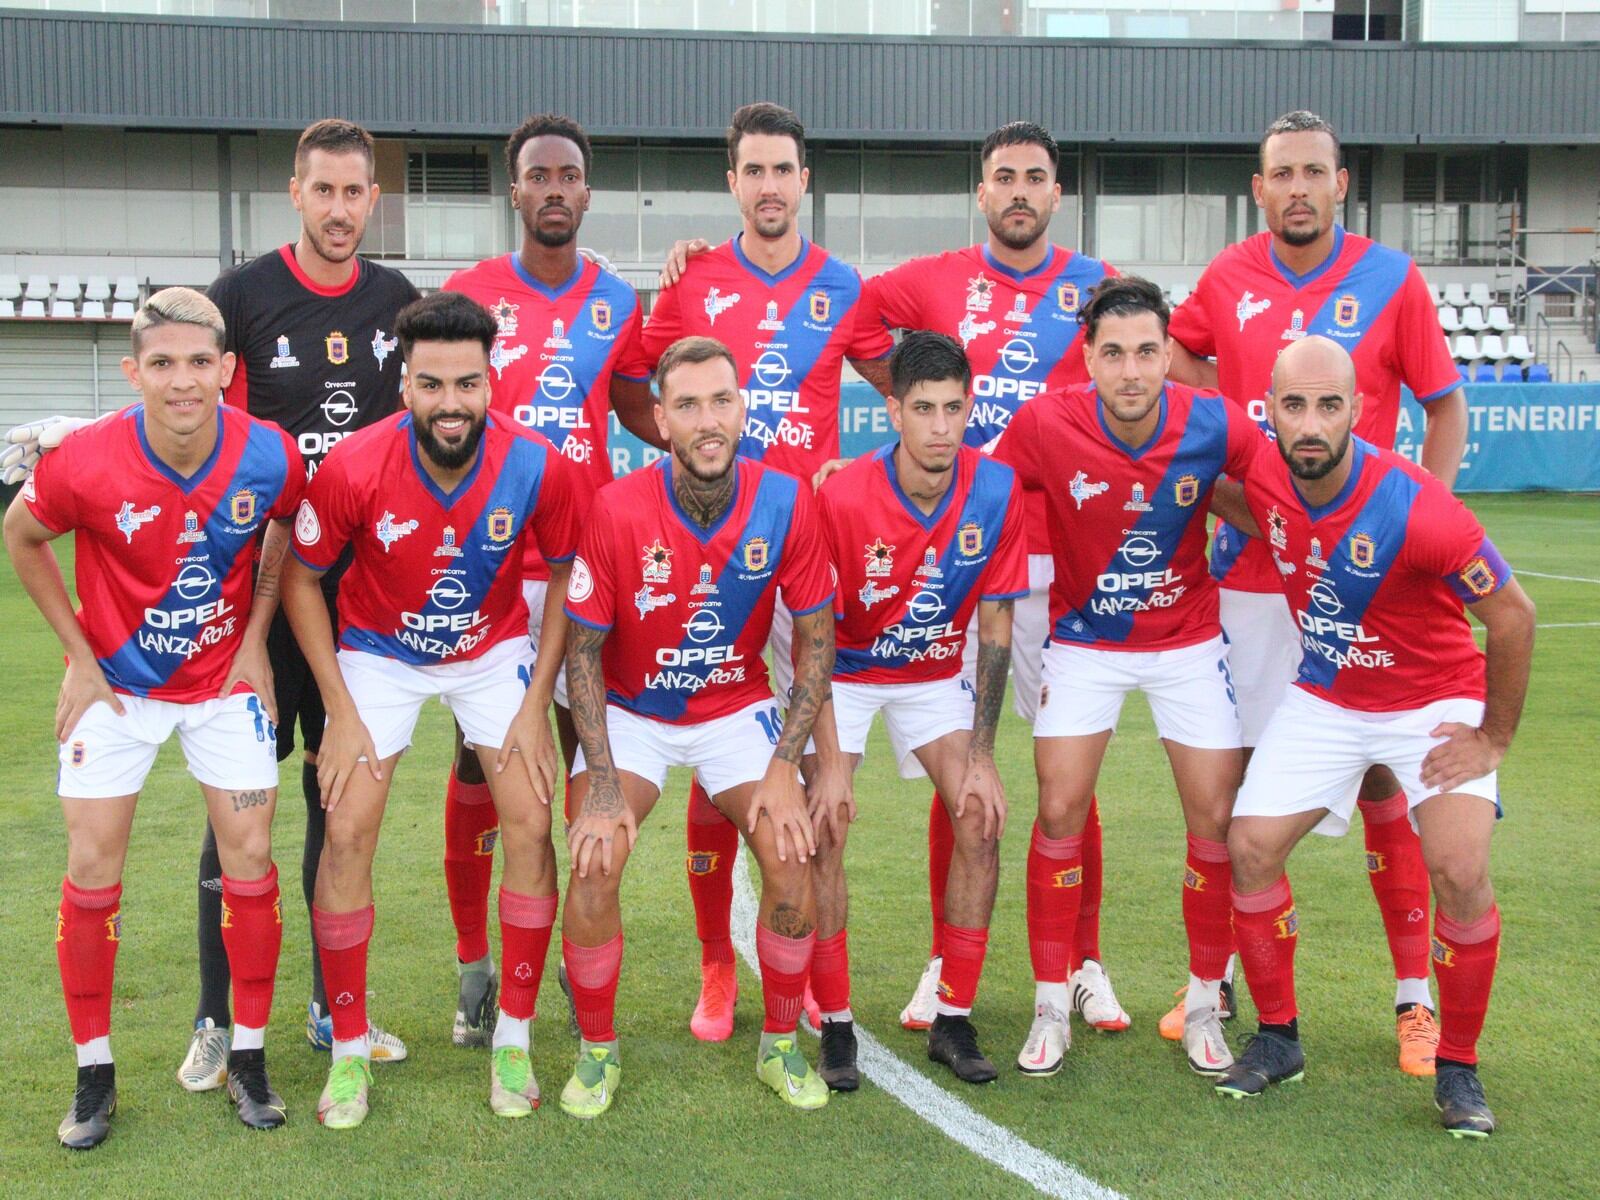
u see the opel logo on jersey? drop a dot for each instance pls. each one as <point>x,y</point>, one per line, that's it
<point>448,593</point>
<point>194,582</point>
<point>1325,598</point>
<point>925,608</point>
<point>1018,357</point>
<point>1139,552</point>
<point>555,382</point>
<point>771,369</point>
<point>704,626</point>
<point>339,408</point>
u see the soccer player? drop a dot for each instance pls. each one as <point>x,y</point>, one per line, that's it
<point>1012,302</point>
<point>431,504</point>
<point>1306,275</point>
<point>789,311</point>
<point>1128,464</point>
<point>311,326</point>
<point>1378,560</point>
<point>164,501</point>
<point>672,598</point>
<point>925,534</point>
<point>564,326</point>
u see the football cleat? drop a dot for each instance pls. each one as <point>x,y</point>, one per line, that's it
<point>319,1027</point>
<point>1093,999</point>
<point>836,1060</point>
<point>385,1046</point>
<point>1204,1044</point>
<point>344,1101</point>
<point>594,1082</point>
<point>259,1106</point>
<point>719,992</point>
<point>954,1042</point>
<point>1049,1039</point>
<point>920,1012</point>
<point>88,1120</point>
<point>1171,1026</point>
<point>513,1091</point>
<point>475,1002</point>
<point>1268,1058</point>
<point>1458,1095</point>
<point>205,1066</point>
<point>1419,1040</point>
<point>785,1070</point>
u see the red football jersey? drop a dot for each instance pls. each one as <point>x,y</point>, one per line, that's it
<point>430,582</point>
<point>1128,527</point>
<point>1376,580</point>
<point>163,563</point>
<point>1370,299</point>
<point>554,357</point>
<point>689,609</point>
<point>1020,331</point>
<point>910,581</point>
<point>790,334</point>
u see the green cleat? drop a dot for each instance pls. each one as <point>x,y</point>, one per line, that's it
<point>344,1100</point>
<point>513,1091</point>
<point>594,1082</point>
<point>785,1070</point>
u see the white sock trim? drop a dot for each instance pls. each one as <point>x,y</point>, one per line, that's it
<point>361,1047</point>
<point>94,1052</point>
<point>245,1038</point>
<point>1412,991</point>
<point>512,1031</point>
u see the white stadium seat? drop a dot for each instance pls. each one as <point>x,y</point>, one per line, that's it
<point>64,310</point>
<point>8,308</point>
<point>122,310</point>
<point>1479,294</point>
<point>1517,347</point>
<point>1465,347</point>
<point>33,308</point>
<point>94,310</point>
<point>1493,348</point>
<point>38,288</point>
<point>98,288</point>
<point>127,288</point>
<point>1449,319</point>
<point>1455,295</point>
<point>10,287</point>
<point>68,288</point>
<point>1473,319</point>
<point>1500,319</point>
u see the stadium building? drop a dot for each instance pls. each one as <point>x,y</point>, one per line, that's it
<point>151,143</point>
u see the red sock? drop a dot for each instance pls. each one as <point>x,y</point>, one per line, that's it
<point>1055,894</point>
<point>1266,928</point>
<point>941,846</point>
<point>252,935</point>
<point>713,841</point>
<point>525,924</point>
<point>1208,907</point>
<point>785,963</point>
<point>963,962</point>
<point>830,973</point>
<point>1086,940</point>
<point>593,971</point>
<point>1399,881</point>
<point>342,943</point>
<point>471,827</point>
<point>566,798</point>
<point>1464,958</point>
<point>88,929</point>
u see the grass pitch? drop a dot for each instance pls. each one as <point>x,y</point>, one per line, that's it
<point>693,1120</point>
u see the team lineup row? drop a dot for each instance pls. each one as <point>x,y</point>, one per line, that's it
<point>731,548</point>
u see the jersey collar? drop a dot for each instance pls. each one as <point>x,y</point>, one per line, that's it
<point>1358,457</point>
<point>1316,272</point>
<point>1130,451</point>
<point>927,520</point>
<point>771,280</point>
<point>701,534</point>
<point>995,264</point>
<point>185,484</point>
<point>552,293</point>
<point>445,499</point>
<point>304,280</point>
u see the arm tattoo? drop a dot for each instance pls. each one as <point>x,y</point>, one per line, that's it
<point>788,921</point>
<point>994,661</point>
<point>704,500</point>
<point>586,692</point>
<point>274,549</point>
<point>813,686</point>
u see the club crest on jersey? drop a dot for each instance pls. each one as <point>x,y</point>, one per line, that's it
<point>447,547</point>
<point>1080,489</point>
<point>872,593</point>
<point>1187,490</point>
<point>1067,298</point>
<point>1069,878</point>
<point>1277,529</point>
<point>1136,501</point>
<point>242,507</point>
<point>771,323</point>
<point>880,558</point>
<point>1315,559</point>
<point>338,348</point>
<point>703,586</point>
<point>1287,923</point>
<point>717,303</point>
<point>930,565</point>
<point>1297,326</point>
<point>969,539</point>
<point>283,357</point>
<point>191,529</point>
<point>1019,311</point>
<point>502,525</point>
<point>646,600</point>
<point>600,315</point>
<point>755,554</point>
<point>657,563</point>
<point>502,356</point>
<point>1346,311</point>
<point>505,316</point>
<point>558,339</point>
<point>969,329</point>
<point>980,293</point>
<point>130,519</point>
<point>1363,550</point>
<point>382,347</point>
<point>821,306</point>
<point>1249,307</point>
<point>703,862</point>
<point>389,532</point>
<point>1479,577</point>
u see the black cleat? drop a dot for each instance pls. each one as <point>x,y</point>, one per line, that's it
<point>836,1063</point>
<point>572,1005</point>
<point>1267,1058</point>
<point>1230,1002</point>
<point>88,1121</point>
<point>259,1106</point>
<point>1458,1095</point>
<point>954,1042</point>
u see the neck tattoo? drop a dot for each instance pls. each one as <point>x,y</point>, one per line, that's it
<point>704,500</point>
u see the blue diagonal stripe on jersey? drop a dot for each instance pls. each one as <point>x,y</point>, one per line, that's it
<point>1374,280</point>
<point>150,656</point>
<point>589,354</point>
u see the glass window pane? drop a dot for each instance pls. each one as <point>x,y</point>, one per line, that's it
<point>683,194</point>
<point>305,10</point>
<point>784,16</point>
<point>31,157</point>
<point>664,14</point>
<point>1139,212</point>
<point>915,204</point>
<point>611,225</point>
<point>1220,209</point>
<point>398,11</point>
<point>836,178</point>
<point>733,15</point>
<point>842,16</point>
<point>901,18</point>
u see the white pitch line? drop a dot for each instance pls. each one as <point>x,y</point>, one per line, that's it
<point>1563,578</point>
<point>952,1117</point>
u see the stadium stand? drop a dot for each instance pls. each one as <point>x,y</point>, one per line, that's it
<point>1449,318</point>
<point>1473,320</point>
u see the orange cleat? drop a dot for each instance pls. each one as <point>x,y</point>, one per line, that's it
<point>1419,1040</point>
<point>1171,1026</point>
<point>719,991</point>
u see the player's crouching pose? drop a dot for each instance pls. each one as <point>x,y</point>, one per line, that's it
<point>164,500</point>
<point>433,502</point>
<point>672,597</point>
<point>922,533</point>
<point>1377,559</point>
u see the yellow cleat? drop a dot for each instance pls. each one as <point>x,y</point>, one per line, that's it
<point>594,1082</point>
<point>785,1070</point>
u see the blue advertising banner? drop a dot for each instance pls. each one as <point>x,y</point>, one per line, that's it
<point>1523,437</point>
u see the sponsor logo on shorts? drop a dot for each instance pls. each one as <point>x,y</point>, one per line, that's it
<point>1070,878</point>
<point>1287,923</point>
<point>703,862</point>
<point>78,754</point>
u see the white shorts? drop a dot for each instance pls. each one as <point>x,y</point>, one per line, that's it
<point>534,592</point>
<point>914,714</point>
<point>229,744</point>
<point>1190,693</point>
<point>1313,755</point>
<point>1263,654</point>
<point>1030,630</point>
<point>724,752</point>
<point>484,693</point>
<point>781,642</point>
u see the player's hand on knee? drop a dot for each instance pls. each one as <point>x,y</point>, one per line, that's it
<point>529,736</point>
<point>831,801</point>
<point>678,258</point>
<point>345,744</point>
<point>782,798</point>
<point>82,688</point>
<point>252,668</point>
<point>982,788</point>
<point>1467,753</point>
<point>605,814</point>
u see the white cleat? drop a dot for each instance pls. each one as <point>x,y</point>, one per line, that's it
<point>1204,1043</point>
<point>1048,1041</point>
<point>920,1012</point>
<point>386,1048</point>
<point>205,1066</point>
<point>1093,999</point>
